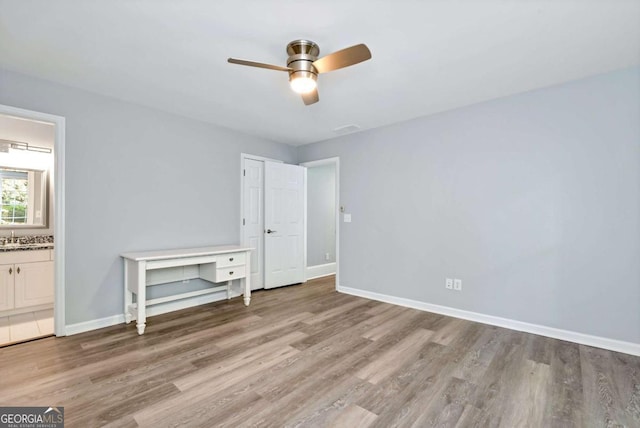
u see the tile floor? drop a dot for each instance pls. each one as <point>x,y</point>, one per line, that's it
<point>27,326</point>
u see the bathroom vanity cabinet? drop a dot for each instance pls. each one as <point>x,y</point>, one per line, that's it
<point>26,279</point>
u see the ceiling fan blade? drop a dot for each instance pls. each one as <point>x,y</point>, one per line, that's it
<point>311,97</point>
<point>257,64</point>
<point>343,58</point>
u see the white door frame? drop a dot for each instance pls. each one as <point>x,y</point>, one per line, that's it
<point>244,156</point>
<point>328,161</point>
<point>58,208</point>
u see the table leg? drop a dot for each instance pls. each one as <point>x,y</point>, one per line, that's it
<point>247,280</point>
<point>142,296</point>
<point>128,295</point>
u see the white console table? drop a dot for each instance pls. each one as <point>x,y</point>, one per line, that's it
<point>215,264</point>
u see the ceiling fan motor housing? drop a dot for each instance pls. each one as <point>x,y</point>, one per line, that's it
<point>302,53</point>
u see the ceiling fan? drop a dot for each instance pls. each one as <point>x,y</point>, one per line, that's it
<point>304,66</point>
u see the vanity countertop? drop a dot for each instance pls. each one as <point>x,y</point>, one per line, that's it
<point>27,243</point>
<point>25,247</point>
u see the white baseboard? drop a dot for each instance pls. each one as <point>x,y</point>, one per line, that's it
<point>161,308</point>
<point>319,271</point>
<point>571,336</point>
<point>81,327</point>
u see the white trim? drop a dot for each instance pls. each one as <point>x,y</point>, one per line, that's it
<point>59,218</point>
<point>259,158</point>
<point>158,309</point>
<point>329,161</point>
<point>82,327</point>
<point>305,278</point>
<point>318,271</point>
<point>571,336</point>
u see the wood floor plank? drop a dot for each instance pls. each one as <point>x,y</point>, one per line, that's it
<point>413,390</point>
<point>476,361</point>
<point>309,356</point>
<point>611,387</point>
<point>449,331</point>
<point>387,322</point>
<point>387,363</point>
<point>324,330</point>
<point>388,396</point>
<point>258,354</point>
<point>500,381</point>
<point>353,416</point>
<point>336,311</point>
<point>267,325</point>
<point>197,395</point>
<point>331,400</point>
<point>532,388</point>
<point>303,372</point>
<point>566,389</point>
<point>446,408</point>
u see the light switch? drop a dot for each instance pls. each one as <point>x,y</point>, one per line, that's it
<point>347,218</point>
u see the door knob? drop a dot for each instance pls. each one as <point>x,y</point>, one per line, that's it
<point>271,231</point>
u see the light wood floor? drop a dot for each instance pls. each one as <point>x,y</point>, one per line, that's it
<point>308,356</point>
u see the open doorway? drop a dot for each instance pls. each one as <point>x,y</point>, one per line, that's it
<point>31,263</point>
<point>322,218</point>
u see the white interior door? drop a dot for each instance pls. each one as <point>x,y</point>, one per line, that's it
<point>284,224</point>
<point>253,220</point>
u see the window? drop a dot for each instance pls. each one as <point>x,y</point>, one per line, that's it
<point>15,194</point>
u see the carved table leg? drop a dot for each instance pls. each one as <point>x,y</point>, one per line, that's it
<point>141,316</point>
<point>247,280</point>
<point>128,295</point>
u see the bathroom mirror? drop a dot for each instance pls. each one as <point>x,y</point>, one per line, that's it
<point>24,198</point>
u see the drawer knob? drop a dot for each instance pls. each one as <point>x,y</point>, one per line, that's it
<point>230,259</point>
<point>231,273</point>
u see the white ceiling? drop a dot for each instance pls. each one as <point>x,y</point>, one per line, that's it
<point>428,56</point>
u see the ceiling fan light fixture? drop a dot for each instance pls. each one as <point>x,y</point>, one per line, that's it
<point>303,65</point>
<point>303,82</point>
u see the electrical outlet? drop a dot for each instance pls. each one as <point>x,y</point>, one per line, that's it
<point>457,284</point>
<point>185,281</point>
<point>448,283</point>
<point>326,257</point>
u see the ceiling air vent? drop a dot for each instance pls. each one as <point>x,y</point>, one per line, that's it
<point>346,129</point>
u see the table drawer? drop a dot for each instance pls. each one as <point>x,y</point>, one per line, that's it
<point>233,259</point>
<point>229,273</point>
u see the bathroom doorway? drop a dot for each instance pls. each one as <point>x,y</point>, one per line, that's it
<point>31,225</point>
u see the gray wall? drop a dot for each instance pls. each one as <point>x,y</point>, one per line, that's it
<point>321,214</point>
<point>136,179</point>
<point>532,200</point>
